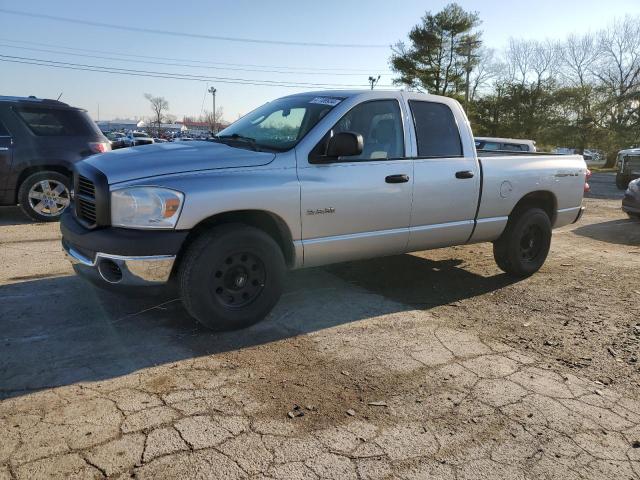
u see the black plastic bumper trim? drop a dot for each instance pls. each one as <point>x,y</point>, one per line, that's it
<point>120,241</point>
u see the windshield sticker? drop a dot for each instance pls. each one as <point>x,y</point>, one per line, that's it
<point>331,101</point>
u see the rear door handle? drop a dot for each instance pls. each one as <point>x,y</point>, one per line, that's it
<point>4,149</point>
<point>397,179</point>
<point>464,174</point>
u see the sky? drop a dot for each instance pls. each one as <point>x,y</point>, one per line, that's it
<point>375,23</point>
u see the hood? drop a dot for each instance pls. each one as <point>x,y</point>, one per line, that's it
<point>168,158</point>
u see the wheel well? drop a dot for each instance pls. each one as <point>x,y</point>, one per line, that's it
<point>40,168</point>
<point>268,222</point>
<point>542,199</point>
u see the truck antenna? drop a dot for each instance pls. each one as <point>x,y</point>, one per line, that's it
<point>59,96</point>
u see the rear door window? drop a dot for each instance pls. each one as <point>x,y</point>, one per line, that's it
<point>436,130</point>
<point>48,122</point>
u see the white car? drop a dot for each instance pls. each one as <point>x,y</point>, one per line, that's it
<point>133,139</point>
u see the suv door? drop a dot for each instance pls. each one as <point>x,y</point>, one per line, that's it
<point>6,156</point>
<point>359,207</point>
<point>446,179</point>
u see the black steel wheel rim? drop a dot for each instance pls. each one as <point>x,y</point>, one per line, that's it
<point>238,280</point>
<point>531,243</point>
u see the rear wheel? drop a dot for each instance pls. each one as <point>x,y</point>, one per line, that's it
<point>622,181</point>
<point>44,196</point>
<point>231,277</point>
<point>524,245</point>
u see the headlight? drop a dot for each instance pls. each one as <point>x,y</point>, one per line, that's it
<point>145,207</point>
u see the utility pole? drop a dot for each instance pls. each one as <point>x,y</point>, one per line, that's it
<point>374,81</point>
<point>213,91</point>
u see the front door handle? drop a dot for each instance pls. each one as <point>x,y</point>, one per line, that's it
<point>397,179</point>
<point>4,149</point>
<point>464,174</point>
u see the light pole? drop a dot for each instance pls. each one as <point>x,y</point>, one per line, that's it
<point>213,91</point>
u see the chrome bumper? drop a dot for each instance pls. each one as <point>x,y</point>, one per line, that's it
<point>116,269</point>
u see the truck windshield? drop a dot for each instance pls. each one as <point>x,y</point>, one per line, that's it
<point>278,125</point>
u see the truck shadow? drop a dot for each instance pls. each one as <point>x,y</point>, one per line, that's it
<point>621,232</point>
<point>61,331</point>
<point>13,216</point>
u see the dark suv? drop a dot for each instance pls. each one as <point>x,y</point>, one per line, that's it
<point>40,140</point>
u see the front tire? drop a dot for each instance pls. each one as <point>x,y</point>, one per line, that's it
<point>231,277</point>
<point>44,196</point>
<point>524,245</point>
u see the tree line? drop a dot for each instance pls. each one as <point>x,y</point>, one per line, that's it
<point>582,92</point>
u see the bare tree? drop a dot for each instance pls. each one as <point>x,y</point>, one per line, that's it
<point>159,105</point>
<point>518,59</point>
<point>214,121</point>
<point>488,68</point>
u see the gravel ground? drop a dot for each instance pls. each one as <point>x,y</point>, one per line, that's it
<point>431,365</point>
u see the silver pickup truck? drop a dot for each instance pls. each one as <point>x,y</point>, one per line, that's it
<point>307,180</point>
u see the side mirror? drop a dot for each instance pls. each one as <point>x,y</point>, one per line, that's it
<point>345,144</point>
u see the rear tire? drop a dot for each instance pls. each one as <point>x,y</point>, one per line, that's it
<point>622,181</point>
<point>44,196</point>
<point>231,277</point>
<point>524,245</point>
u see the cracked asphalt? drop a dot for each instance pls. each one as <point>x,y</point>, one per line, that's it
<point>426,366</point>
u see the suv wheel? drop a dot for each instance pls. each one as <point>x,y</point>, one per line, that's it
<point>524,245</point>
<point>43,196</point>
<point>231,277</point>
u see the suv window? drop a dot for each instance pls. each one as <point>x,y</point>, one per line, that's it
<point>55,122</point>
<point>513,147</point>
<point>3,131</point>
<point>380,124</point>
<point>436,130</point>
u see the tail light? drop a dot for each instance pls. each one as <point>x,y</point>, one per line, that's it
<point>587,177</point>
<point>100,147</point>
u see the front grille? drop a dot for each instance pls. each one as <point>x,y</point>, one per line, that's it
<point>86,187</point>
<point>87,211</point>
<point>91,196</point>
<point>85,198</point>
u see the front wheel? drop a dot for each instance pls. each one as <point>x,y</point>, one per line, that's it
<point>43,196</point>
<point>231,277</point>
<point>524,245</point>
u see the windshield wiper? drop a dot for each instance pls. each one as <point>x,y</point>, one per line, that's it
<point>238,138</point>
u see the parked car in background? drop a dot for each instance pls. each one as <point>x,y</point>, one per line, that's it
<point>40,140</point>
<point>116,139</point>
<point>628,167</point>
<point>308,180</point>
<point>159,140</point>
<point>488,144</point>
<point>631,200</point>
<point>133,139</point>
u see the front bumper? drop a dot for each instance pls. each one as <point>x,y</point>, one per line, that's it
<point>117,269</point>
<point>121,256</point>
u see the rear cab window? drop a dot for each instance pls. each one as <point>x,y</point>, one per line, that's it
<point>50,122</point>
<point>437,133</point>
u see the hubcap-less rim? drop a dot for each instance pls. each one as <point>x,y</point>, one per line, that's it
<point>49,198</point>
<point>531,243</point>
<point>238,280</point>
